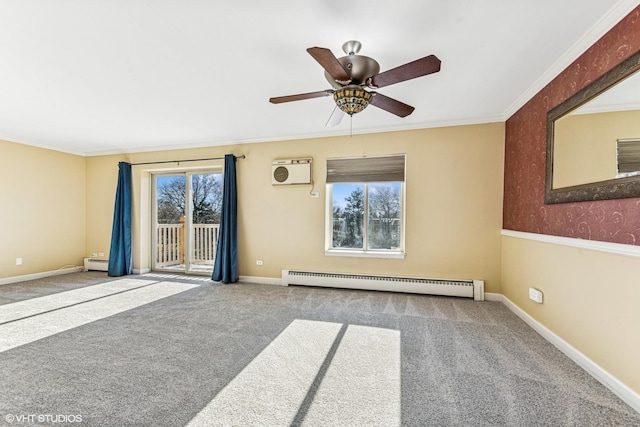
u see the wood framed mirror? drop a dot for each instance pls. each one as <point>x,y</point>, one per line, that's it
<point>593,139</point>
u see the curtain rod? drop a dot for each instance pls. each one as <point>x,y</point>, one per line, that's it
<point>184,161</point>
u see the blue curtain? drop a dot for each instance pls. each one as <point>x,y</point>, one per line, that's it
<point>225,269</point>
<point>120,260</point>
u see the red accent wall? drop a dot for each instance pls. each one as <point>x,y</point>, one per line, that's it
<point>524,209</point>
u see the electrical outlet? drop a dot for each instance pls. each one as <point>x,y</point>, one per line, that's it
<point>18,261</point>
<point>535,295</point>
<point>315,194</point>
<point>100,253</point>
<point>94,255</point>
<point>259,262</point>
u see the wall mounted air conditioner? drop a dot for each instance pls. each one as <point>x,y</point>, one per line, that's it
<point>291,171</point>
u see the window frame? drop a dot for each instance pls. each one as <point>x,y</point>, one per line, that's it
<point>364,252</point>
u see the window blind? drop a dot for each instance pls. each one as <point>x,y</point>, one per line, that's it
<point>366,169</point>
<point>628,155</point>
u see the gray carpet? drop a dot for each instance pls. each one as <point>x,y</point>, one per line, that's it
<point>191,356</point>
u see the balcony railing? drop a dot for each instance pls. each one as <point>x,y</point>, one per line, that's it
<point>171,244</point>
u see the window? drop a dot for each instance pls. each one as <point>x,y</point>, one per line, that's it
<point>628,153</point>
<point>365,206</point>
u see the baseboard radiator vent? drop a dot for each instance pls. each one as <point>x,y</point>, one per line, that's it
<point>458,288</point>
<point>96,264</point>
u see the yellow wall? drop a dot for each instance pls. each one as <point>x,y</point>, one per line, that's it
<point>590,299</point>
<point>585,146</point>
<point>42,209</point>
<point>454,203</point>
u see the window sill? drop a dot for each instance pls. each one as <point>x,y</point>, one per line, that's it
<point>364,254</point>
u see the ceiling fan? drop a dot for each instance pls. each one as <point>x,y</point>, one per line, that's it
<point>354,79</point>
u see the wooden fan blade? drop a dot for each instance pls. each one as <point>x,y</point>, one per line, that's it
<point>398,108</point>
<point>329,62</point>
<point>418,68</point>
<point>336,117</point>
<point>300,96</point>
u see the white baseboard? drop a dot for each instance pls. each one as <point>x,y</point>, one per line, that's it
<point>612,383</point>
<point>141,270</point>
<point>490,296</point>
<point>261,280</point>
<point>26,277</point>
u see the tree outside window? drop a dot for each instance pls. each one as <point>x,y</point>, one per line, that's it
<point>379,203</point>
<point>206,198</point>
<point>384,216</point>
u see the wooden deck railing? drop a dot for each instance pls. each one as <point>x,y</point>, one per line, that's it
<point>171,241</point>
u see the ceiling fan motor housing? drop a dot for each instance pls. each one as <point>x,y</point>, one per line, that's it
<point>358,67</point>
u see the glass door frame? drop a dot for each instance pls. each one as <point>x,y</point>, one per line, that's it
<point>188,223</point>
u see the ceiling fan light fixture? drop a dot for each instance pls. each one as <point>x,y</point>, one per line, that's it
<point>352,99</point>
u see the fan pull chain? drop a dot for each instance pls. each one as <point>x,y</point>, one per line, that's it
<point>350,125</point>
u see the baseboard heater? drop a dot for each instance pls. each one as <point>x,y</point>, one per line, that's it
<point>458,288</point>
<point>96,264</point>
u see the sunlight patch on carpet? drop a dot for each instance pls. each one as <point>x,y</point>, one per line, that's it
<point>361,385</point>
<point>33,306</point>
<point>271,388</point>
<point>29,329</point>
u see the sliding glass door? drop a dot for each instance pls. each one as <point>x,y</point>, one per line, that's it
<point>186,221</point>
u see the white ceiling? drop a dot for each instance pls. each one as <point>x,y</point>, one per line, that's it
<point>97,77</point>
